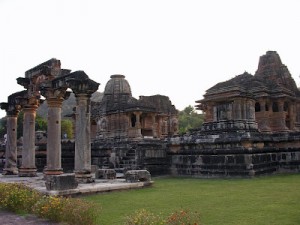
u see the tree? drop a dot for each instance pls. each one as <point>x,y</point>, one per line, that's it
<point>2,127</point>
<point>189,119</point>
<point>67,128</point>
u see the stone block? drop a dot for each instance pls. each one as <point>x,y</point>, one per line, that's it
<point>137,175</point>
<point>94,170</point>
<point>61,182</point>
<point>106,174</point>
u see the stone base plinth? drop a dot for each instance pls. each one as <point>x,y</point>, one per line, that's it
<point>84,178</point>
<point>27,172</point>
<point>53,172</point>
<point>10,172</point>
<point>137,175</point>
<point>106,174</point>
<point>60,182</point>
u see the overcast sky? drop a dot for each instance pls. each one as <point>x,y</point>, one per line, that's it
<point>168,47</point>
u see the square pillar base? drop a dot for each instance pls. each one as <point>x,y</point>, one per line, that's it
<point>60,182</point>
<point>84,178</point>
<point>10,172</point>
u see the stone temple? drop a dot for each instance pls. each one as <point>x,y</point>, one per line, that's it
<point>121,116</point>
<point>267,101</point>
<point>252,126</point>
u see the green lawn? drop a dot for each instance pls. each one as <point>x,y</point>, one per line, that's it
<point>272,200</point>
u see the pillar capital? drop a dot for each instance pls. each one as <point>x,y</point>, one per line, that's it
<point>55,102</point>
<point>80,84</point>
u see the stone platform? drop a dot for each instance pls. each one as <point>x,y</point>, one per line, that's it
<point>100,185</point>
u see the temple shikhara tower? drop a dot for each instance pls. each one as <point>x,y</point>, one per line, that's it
<point>121,116</point>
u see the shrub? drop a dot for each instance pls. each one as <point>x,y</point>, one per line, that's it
<point>49,207</point>
<point>19,198</point>
<point>182,217</point>
<point>143,217</point>
<point>78,211</point>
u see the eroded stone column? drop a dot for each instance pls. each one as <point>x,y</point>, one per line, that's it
<point>262,117</point>
<point>292,115</point>
<point>10,167</point>
<point>28,168</point>
<point>82,139</point>
<point>54,137</point>
<point>154,126</point>
<point>138,124</point>
<point>83,87</point>
<point>237,109</point>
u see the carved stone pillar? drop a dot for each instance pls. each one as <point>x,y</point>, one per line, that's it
<point>262,104</point>
<point>54,137</point>
<point>12,108</point>
<point>278,119</point>
<point>262,117</point>
<point>237,109</point>
<point>82,139</point>
<point>292,114</point>
<point>154,126</point>
<point>215,116</point>
<point>138,124</point>
<point>10,167</point>
<point>28,168</point>
<point>280,106</point>
<point>83,88</point>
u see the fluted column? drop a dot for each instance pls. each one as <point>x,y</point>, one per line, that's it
<point>54,137</point>
<point>10,167</point>
<point>28,168</point>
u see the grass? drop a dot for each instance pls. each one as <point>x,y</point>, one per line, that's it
<point>272,200</point>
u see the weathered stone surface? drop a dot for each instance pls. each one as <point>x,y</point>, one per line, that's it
<point>60,182</point>
<point>137,175</point>
<point>106,174</point>
<point>121,116</point>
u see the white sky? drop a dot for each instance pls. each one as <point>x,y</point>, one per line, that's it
<point>169,47</point>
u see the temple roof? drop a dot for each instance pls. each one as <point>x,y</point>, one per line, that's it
<point>117,85</point>
<point>272,78</point>
<point>118,98</point>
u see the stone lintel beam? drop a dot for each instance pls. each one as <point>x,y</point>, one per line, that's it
<point>25,82</point>
<point>51,67</point>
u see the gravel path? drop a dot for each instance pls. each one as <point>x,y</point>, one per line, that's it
<point>9,218</point>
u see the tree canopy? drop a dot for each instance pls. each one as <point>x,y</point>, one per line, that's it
<point>189,119</point>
